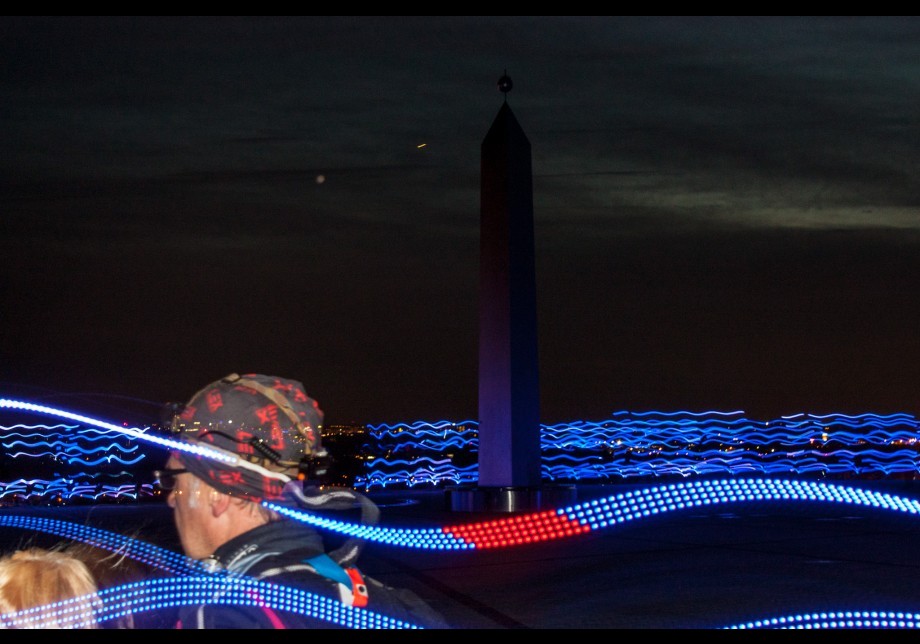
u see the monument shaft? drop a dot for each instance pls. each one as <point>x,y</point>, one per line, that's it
<point>509,387</point>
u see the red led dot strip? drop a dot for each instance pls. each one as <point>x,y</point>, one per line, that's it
<point>512,531</point>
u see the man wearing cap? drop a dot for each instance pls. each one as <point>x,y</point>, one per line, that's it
<point>251,439</point>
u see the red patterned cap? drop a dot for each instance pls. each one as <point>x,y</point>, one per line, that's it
<point>267,420</point>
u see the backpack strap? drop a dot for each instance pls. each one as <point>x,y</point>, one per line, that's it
<point>352,589</point>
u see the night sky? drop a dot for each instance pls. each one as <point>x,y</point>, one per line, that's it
<point>726,210</point>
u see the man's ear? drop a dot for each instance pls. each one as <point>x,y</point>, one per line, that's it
<point>218,501</point>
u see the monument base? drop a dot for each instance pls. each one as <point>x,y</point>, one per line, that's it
<point>509,499</point>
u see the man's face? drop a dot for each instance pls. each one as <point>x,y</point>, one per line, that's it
<point>189,500</point>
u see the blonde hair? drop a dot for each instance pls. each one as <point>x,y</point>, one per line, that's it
<point>38,579</point>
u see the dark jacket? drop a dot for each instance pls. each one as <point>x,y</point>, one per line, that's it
<point>289,553</point>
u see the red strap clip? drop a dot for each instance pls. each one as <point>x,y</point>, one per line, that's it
<point>358,588</point>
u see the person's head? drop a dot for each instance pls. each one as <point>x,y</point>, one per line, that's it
<point>39,577</point>
<point>264,430</point>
